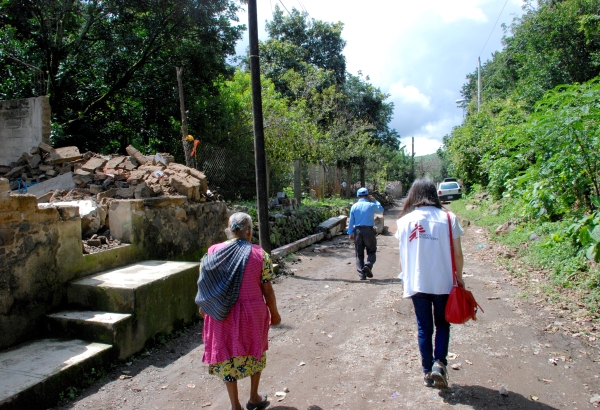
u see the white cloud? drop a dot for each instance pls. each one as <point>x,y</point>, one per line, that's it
<point>409,94</point>
<point>418,51</point>
<point>423,145</point>
<point>429,137</point>
<point>451,11</point>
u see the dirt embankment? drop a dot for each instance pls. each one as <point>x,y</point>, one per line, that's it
<point>346,344</point>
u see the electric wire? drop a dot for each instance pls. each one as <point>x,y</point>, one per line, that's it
<point>508,58</point>
<point>289,14</point>
<point>303,8</point>
<point>493,28</point>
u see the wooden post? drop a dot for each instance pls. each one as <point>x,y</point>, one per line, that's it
<point>298,180</point>
<point>362,173</point>
<point>187,145</point>
<point>321,188</point>
<point>349,181</point>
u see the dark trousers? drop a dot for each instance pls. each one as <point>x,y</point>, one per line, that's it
<point>364,238</point>
<point>431,310</point>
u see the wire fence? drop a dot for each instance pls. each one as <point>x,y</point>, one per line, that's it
<point>230,173</point>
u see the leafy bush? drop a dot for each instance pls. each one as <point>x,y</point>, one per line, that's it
<point>501,171</point>
<point>586,233</point>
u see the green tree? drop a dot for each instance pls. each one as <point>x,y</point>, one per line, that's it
<point>552,44</point>
<point>109,66</point>
<point>314,42</point>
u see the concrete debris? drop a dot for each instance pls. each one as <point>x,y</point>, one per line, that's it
<point>64,174</point>
<point>135,154</point>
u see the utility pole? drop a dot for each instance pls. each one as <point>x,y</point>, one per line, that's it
<point>478,83</point>
<point>259,136</point>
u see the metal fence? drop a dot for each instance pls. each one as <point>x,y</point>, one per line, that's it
<point>230,173</point>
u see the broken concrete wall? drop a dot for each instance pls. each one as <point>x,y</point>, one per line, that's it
<point>34,246</point>
<point>169,227</point>
<point>23,125</point>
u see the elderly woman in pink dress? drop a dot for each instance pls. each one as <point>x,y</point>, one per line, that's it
<point>238,304</point>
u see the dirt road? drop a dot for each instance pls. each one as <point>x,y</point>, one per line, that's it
<point>347,344</point>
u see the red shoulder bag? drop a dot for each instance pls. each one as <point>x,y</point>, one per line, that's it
<point>461,306</point>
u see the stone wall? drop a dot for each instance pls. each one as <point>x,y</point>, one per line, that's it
<point>170,228</point>
<point>35,244</point>
<point>290,226</point>
<point>23,125</point>
<point>41,250</point>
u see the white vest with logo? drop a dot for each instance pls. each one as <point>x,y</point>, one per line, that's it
<point>424,244</point>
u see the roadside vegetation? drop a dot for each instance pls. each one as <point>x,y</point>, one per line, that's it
<point>544,248</point>
<point>531,156</point>
<point>109,70</point>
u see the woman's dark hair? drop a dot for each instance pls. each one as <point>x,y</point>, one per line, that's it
<point>422,193</point>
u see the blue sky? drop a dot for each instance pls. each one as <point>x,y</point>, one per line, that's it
<point>419,52</point>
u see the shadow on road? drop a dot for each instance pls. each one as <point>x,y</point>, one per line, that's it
<point>294,408</point>
<point>482,398</point>
<point>374,281</point>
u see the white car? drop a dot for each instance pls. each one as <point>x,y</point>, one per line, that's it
<point>449,191</point>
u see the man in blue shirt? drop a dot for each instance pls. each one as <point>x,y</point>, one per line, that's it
<point>361,230</point>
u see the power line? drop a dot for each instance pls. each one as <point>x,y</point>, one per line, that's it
<point>303,8</point>
<point>508,57</point>
<point>289,14</point>
<point>493,28</point>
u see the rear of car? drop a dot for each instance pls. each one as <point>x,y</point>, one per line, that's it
<point>449,191</point>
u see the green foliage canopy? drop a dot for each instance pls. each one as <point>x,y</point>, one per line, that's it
<point>109,66</point>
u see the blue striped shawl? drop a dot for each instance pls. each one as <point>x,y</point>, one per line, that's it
<point>221,274</point>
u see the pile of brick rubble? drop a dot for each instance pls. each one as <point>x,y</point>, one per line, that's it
<point>64,174</point>
<point>92,181</point>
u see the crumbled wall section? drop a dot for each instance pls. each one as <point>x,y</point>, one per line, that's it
<point>23,125</point>
<point>32,241</point>
<point>41,250</point>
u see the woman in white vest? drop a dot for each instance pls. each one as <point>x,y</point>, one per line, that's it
<point>426,265</point>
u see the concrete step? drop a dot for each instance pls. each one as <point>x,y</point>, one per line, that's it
<point>103,327</point>
<point>34,374</point>
<point>158,294</point>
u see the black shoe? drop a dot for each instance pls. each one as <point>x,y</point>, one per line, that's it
<point>362,277</point>
<point>367,271</point>
<point>439,374</point>
<point>428,380</point>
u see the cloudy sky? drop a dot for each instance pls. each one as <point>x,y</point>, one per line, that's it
<point>419,52</point>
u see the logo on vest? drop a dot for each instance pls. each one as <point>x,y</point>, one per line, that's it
<point>416,231</point>
<point>419,232</point>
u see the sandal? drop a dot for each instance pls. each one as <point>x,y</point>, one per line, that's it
<point>261,405</point>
